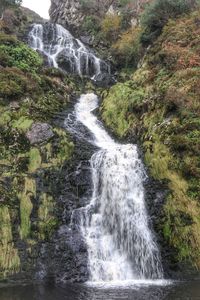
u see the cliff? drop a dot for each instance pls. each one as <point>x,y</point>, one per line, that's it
<point>74,14</point>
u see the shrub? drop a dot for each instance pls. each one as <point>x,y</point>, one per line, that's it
<point>127,49</point>
<point>158,13</point>
<point>14,83</point>
<point>7,39</point>
<point>21,56</point>
<point>91,25</point>
<point>111,26</point>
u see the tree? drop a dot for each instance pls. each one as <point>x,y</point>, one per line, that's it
<point>7,3</point>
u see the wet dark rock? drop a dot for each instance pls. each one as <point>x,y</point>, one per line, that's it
<point>103,80</point>
<point>87,40</point>
<point>66,61</point>
<point>39,133</point>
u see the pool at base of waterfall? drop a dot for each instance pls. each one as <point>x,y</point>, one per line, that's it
<point>157,291</point>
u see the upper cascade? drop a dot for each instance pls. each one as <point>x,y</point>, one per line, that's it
<point>64,51</point>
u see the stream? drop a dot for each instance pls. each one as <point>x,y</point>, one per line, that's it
<point>124,260</point>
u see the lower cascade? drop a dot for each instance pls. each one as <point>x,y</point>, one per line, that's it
<point>115,223</point>
<point>64,51</point>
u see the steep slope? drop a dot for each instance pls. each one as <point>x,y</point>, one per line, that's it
<point>36,154</point>
<point>160,105</point>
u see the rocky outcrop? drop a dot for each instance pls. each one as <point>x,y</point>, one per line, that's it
<point>103,80</point>
<point>39,132</point>
<point>18,21</point>
<point>66,12</point>
<point>71,13</point>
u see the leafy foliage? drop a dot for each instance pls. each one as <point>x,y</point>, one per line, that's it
<point>20,56</point>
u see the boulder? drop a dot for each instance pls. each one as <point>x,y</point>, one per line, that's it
<point>87,40</point>
<point>103,80</point>
<point>14,105</point>
<point>39,133</point>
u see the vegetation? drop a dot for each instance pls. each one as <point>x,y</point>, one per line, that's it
<point>111,26</point>
<point>158,13</point>
<point>8,3</point>
<point>20,56</point>
<point>160,104</point>
<point>127,49</point>
<point>28,93</point>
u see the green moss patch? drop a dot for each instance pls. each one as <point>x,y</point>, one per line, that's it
<point>46,215</point>
<point>9,257</point>
<point>34,159</point>
<point>26,206</point>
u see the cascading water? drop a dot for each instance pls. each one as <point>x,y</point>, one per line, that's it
<point>64,51</point>
<point>115,225</point>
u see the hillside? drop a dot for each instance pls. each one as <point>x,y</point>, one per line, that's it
<point>153,48</point>
<point>35,150</point>
<point>160,105</point>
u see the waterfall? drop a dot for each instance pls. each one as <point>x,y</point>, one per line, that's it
<point>115,223</point>
<point>64,51</point>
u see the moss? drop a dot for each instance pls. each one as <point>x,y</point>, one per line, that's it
<point>5,118</point>
<point>26,206</point>
<point>39,94</point>
<point>120,107</point>
<point>46,215</point>
<point>60,150</point>
<point>22,124</point>
<point>182,221</point>
<point>34,159</point>
<point>7,39</point>
<point>9,257</point>
<point>65,147</point>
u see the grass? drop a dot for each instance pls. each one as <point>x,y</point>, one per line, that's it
<point>26,206</point>
<point>9,257</point>
<point>160,104</point>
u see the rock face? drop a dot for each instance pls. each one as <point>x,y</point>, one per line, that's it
<point>71,13</point>
<point>39,132</point>
<point>66,12</point>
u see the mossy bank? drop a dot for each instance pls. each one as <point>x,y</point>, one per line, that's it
<point>160,105</point>
<point>35,156</point>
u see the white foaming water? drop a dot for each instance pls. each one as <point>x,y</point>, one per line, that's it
<point>64,51</point>
<point>121,246</point>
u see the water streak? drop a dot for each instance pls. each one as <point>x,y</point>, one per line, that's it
<point>115,224</point>
<point>65,51</point>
